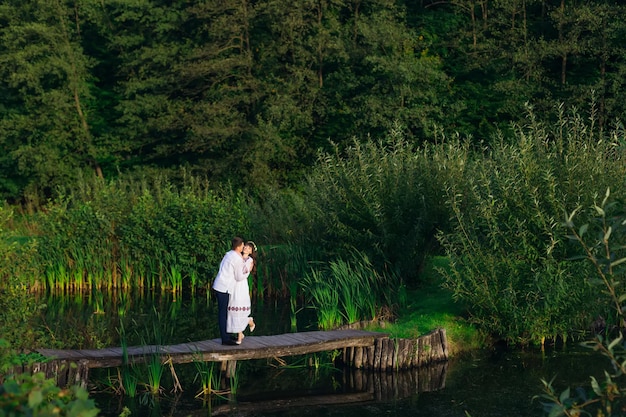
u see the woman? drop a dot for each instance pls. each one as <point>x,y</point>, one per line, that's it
<point>239,305</point>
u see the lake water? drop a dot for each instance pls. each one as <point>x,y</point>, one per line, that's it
<point>494,382</point>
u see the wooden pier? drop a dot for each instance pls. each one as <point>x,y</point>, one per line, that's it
<point>361,349</point>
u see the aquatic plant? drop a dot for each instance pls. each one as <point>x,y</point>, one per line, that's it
<point>293,304</point>
<point>128,380</point>
<point>346,291</point>
<point>324,298</point>
<point>113,234</point>
<point>208,375</point>
<point>234,380</point>
<point>97,300</point>
<point>155,369</point>
<point>283,266</point>
<point>127,374</point>
<point>174,279</point>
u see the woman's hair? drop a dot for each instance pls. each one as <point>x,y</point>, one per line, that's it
<point>252,255</point>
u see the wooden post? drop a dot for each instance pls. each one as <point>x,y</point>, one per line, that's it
<point>391,351</point>
<point>358,357</point>
<point>414,353</point>
<point>369,362</point>
<point>383,354</point>
<point>378,344</point>
<point>444,343</point>
<point>231,368</point>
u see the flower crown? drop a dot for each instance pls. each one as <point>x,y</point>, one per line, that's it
<point>251,243</point>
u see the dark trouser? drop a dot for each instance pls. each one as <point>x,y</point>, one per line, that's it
<point>222,313</point>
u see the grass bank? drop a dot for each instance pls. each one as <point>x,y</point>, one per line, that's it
<point>429,307</point>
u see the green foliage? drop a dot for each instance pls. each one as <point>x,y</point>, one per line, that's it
<point>383,198</point>
<point>190,227</point>
<point>10,358</point>
<point>127,234</point>
<point>506,248</point>
<point>431,306</point>
<point>26,395</point>
<point>602,240</point>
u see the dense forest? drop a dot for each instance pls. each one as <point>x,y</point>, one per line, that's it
<point>249,90</point>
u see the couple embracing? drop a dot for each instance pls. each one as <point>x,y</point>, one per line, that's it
<point>232,292</point>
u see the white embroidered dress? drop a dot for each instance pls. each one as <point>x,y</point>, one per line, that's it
<point>239,303</point>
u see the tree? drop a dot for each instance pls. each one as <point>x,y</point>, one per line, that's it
<point>46,85</point>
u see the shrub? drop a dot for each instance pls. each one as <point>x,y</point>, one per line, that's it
<point>384,198</point>
<point>506,246</point>
<point>603,243</point>
<point>26,395</point>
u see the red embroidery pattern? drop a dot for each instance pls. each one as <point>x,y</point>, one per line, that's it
<point>238,308</point>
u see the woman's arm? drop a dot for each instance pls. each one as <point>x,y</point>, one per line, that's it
<point>247,266</point>
<point>241,271</point>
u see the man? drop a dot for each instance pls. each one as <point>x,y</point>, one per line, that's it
<point>231,270</point>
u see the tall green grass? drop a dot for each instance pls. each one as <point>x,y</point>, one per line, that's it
<point>154,370</point>
<point>127,374</point>
<point>346,291</point>
<point>281,267</point>
<point>209,376</point>
<point>324,298</point>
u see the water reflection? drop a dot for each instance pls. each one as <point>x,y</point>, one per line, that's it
<point>266,391</point>
<point>357,386</point>
<point>92,320</point>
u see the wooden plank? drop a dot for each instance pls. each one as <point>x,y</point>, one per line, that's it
<point>253,347</point>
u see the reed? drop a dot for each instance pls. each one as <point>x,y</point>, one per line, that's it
<point>97,300</point>
<point>129,381</point>
<point>155,369</point>
<point>126,374</point>
<point>506,246</point>
<point>124,303</point>
<point>127,275</point>
<point>324,297</point>
<point>234,380</point>
<point>293,304</point>
<point>175,279</point>
<point>77,281</point>
<point>208,375</point>
<point>346,291</point>
<point>152,272</point>
<point>283,265</point>
<point>193,280</point>
<point>349,295</point>
<point>377,196</point>
<point>155,335</point>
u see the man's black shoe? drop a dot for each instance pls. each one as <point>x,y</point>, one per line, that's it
<point>229,342</point>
